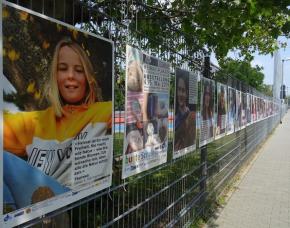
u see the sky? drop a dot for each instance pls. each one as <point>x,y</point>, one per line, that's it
<point>267,62</point>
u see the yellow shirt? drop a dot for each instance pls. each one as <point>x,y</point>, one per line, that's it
<point>47,139</point>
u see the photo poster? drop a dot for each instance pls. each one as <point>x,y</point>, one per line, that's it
<point>243,110</point>
<point>248,109</point>
<point>222,110</point>
<point>207,111</point>
<point>146,112</point>
<point>186,93</point>
<point>57,114</point>
<point>238,117</point>
<point>231,110</point>
<point>259,109</point>
<point>254,109</point>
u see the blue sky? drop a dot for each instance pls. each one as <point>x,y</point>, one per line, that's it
<point>267,61</point>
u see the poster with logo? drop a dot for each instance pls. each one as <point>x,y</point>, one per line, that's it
<point>207,111</point>
<point>186,93</point>
<point>146,112</point>
<point>57,115</point>
<point>231,110</point>
<point>238,117</point>
<point>222,109</point>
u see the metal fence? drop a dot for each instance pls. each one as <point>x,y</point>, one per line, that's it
<point>174,194</point>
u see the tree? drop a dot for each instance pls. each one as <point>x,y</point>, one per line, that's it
<point>243,71</point>
<point>172,26</point>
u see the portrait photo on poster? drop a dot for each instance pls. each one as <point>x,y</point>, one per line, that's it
<point>231,110</point>
<point>238,116</point>
<point>186,93</point>
<point>243,110</point>
<point>57,112</point>
<point>207,111</point>
<point>146,112</point>
<point>249,111</point>
<point>221,117</point>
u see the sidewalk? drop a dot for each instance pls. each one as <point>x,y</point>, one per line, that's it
<point>262,199</point>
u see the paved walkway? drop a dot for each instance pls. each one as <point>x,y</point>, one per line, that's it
<point>262,199</point>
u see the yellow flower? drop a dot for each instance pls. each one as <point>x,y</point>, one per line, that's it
<point>45,44</point>
<point>23,16</point>
<point>31,87</point>
<point>5,13</point>
<point>13,55</point>
<point>37,95</point>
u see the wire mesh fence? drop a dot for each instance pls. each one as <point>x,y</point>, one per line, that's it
<point>174,194</point>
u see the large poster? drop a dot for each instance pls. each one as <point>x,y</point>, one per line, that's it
<point>186,93</point>
<point>231,110</point>
<point>146,108</point>
<point>221,122</point>
<point>207,111</point>
<point>57,114</point>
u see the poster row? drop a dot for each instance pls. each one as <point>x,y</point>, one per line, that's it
<point>147,112</point>
<point>57,113</point>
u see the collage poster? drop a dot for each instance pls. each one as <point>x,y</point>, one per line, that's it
<point>57,114</point>
<point>221,121</point>
<point>231,110</point>
<point>146,112</point>
<point>186,93</point>
<point>207,111</point>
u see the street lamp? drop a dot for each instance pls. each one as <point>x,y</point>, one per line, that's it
<point>281,90</point>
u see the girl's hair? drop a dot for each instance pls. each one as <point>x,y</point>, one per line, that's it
<point>53,92</point>
<point>185,79</point>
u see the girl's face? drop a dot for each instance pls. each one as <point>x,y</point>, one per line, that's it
<point>71,78</point>
<point>134,77</point>
<point>181,93</point>
<point>207,96</point>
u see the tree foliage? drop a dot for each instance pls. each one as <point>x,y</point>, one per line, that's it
<point>243,71</point>
<point>219,25</point>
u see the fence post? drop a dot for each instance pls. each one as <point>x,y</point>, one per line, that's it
<point>203,149</point>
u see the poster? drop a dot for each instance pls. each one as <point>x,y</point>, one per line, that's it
<point>57,114</point>
<point>186,93</point>
<point>231,110</point>
<point>248,109</point>
<point>243,110</point>
<point>238,117</point>
<point>254,109</point>
<point>207,111</point>
<point>221,122</point>
<point>146,112</point>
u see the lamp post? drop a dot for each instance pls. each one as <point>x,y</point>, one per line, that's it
<point>281,89</point>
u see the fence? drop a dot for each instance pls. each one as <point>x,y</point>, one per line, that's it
<point>173,194</point>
